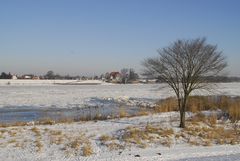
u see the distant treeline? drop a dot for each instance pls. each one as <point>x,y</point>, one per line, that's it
<point>131,76</point>
<point>5,76</point>
<point>216,79</point>
<point>219,79</point>
<point>48,75</point>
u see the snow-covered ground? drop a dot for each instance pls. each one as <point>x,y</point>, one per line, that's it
<point>19,143</point>
<point>45,94</point>
<point>29,82</point>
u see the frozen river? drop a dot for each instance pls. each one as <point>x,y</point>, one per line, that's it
<point>78,96</point>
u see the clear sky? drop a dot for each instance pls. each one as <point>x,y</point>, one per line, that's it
<point>88,37</point>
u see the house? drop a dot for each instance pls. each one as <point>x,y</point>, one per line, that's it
<point>115,77</point>
<point>35,78</point>
<point>13,76</point>
<point>27,77</point>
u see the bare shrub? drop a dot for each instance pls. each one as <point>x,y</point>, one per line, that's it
<point>234,111</point>
<point>36,131</point>
<point>87,150</point>
<point>79,144</point>
<point>114,146</point>
<point>105,138</point>
<point>197,104</point>
<point>212,120</point>
<point>38,144</point>
<point>207,135</point>
<point>141,136</point>
<point>142,112</point>
<point>46,121</point>
<point>56,136</point>
<point>169,104</point>
<point>55,132</point>
<point>123,113</point>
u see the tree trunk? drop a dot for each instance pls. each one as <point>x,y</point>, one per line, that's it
<point>182,112</point>
<point>182,118</point>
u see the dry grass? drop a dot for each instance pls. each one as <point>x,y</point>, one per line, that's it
<point>55,132</point>
<point>114,146</point>
<point>19,145</point>
<point>38,137</point>
<point>87,150</point>
<point>56,136</point>
<point>1,136</point>
<point>65,120</point>
<point>234,111</point>
<point>99,117</point>
<point>38,145</point>
<point>3,131</point>
<point>46,121</point>
<point>36,131</point>
<point>12,141</point>
<point>212,120</point>
<point>105,138</point>
<point>199,117</point>
<point>75,144</point>
<point>12,133</point>
<point>196,104</point>
<point>200,130</point>
<point>3,125</point>
<point>208,132</point>
<point>79,144</point>
<point>142,112</point>
<point>110,142</point>
<point>169,104</point>
<point>58,140</point>
<point>141,136</point>
<point>123,113</point>
<point>134,135</point>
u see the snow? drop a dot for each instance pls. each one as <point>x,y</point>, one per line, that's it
<point>94,130</point>
<point>69,96</point>
<point>45,94</point>
<point>27,82</point>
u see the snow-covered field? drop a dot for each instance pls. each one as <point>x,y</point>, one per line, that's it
<point>21,143</point>
<point>44,94</point>
<point>57,142</point>
<point>28,82</point>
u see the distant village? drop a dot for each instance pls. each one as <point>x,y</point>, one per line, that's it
<point>124,76</point>
<point>120,77</point>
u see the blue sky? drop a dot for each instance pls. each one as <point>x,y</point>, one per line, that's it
<point>88,37</point>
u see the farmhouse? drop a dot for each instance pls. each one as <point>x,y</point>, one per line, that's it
<point>115,77</point>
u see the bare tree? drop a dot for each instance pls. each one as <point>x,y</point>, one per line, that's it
<point>184,66</point>
<point>124,73</point>
<point>133,75</point>
<point>50,75</point>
